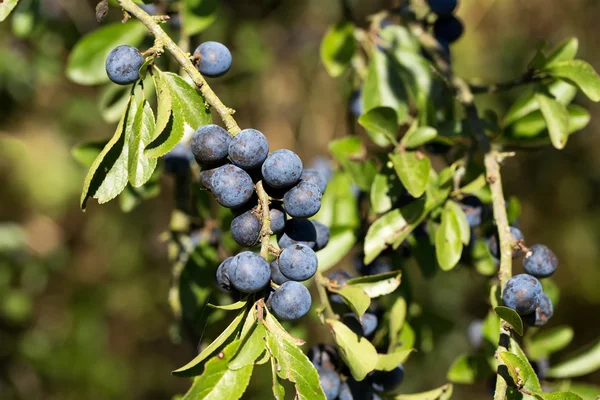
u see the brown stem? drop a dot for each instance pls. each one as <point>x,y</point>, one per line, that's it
<point>265,231</point>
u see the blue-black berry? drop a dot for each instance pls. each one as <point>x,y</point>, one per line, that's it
<point>210,144</point>
<point>248,149</point>
<point>298,262</point>
<point>249,272</point>
<point>282,169</point>
<point>123,65</point>
<point>522,293</point>
<point>540,261</point>
<point>291,301</point>
<point>214,59</point>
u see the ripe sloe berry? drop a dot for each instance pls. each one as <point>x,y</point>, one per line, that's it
<point>298,262</point>
<point>231,186</point>
<point>437,148</point>
<point>522,293</point>
<point>323,356</point>
<point>249,272</point>
<point>214,59</point>
<point>540,261</point>
<point>245,229</point>
<point>276,275</point>
<point>356,105</point>
<point>517,237</point>
<point>277,217</point>
<point>323,235</point>
<point>177,161</point>
<point>353,390</point>
<point>210,144</point>
<point>300,231</point>
<point>442,8</point>
<point>323,166</point>
<point>365,326</point>
<point>248,149</point>
<point>330,382</point>
<point>380,265</point>
<point>314,176</point>
<point>223,274</point>
<point>542,314</point>
<point>282,168</point>
<point>385,381</point>
<point>448,29</point>
<point>340,277</point>
<point>473,209</point>
<point>303,200</point>
<point>291,301</point>
<point>123,65</point>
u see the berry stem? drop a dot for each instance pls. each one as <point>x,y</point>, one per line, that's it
<point>265,230</point>
<point>321,282</point>
<point>183,59</point>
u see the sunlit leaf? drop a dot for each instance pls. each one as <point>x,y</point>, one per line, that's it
<point>337,48</point>
<point>356,351</point>
<point>580,73</point>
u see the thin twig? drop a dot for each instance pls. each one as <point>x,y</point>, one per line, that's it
<point>265,230</point>
<point>321,284</point>
<point>526,79</point>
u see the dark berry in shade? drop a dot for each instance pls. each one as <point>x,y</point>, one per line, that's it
<point>323,356</point>
<point>214,59</point>
<point>540,261</point>
<point>517,239</point>
<point>448,29</point>
<point>437,148</point>
<point>303,200</point>
<point>355,103</point>
<point>385,381</point>
<point>339,277</point>
<point>353,390</point>
<point>291,301</point>
<point>249,272</point>
<point>380,265</point>
<point>223,274</point>
<point>278,218</point>
<point>330,382</point>
<point>276,275</point>
<point>323,166</point>
<point>248,149</point>
<point>442,8</point>
<point>274,193</point>
<point>151,9</point>
<point>314,176</point>
<point>282,169</point>
<point>298,230</point>
<point>542,314</point>
<point>522,293</point>
<point>210,144</point>
<point>245,229</point>
<point>123,65</point>
<point>473,209</point>
<point>323,235</point>
<point>177,161</point>
<point>365,326</point>
<point>298,262</point>
<point>231,186</point>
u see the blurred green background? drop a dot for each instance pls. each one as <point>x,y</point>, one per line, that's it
<point>84,309</point>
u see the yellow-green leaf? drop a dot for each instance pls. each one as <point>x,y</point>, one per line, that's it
<point>337,48</point>
<point>356,351</point>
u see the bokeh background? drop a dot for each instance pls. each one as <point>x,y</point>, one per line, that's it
<point>84,307</point>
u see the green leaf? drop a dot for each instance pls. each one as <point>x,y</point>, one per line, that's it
<point>534,124</point>
<point>350,152</point>
<point>549,341</point>
<point>510,316</point>
<point>108,174</point>
<point>419,136</point>
<point>491,329</point>
<point>557,119</point>
<point>397,317</point>
<point>448,244</point>
<point>113,101</point>
<point>400,38</point>
<point>275,328</point>
<point>580,73</point>
<point>197,15</point>
<point>383,86</point>
<point>339,206</point>
<point>407,336</point>
<point>6,7</point>
<point>585,390</point>
<point>219,382</point>
<point>377,285</point>
<point>392,228</point>
<point>294,366</point>
<point>413,170</point>
<point>562,91</point>
<point>195,366</point>
<point>468,369</point>
<point>234,306</point>
<point>441,393</point>
<point>188,112</point>
<point>582,363</point>
<point>139,166</point>
<point>461,218</point>
<point>387,362</point>
<point>132,197</point>
<point>337,48</point>
<point>565,51</point>
<point>559,396</point>
<point>381,125</point>
<point>278,389</point>
<point>521,372</point>
<point>340,243</point>
<point>86,64</point>
<point>86,153</point>
<point>380,198</point>
<point>252,347</point>
<point>356,351</point>
<point>482,258</point>
<point>355,298</point>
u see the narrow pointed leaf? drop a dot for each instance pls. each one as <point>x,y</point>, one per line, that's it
<point>377,285</point>
<point>557,119</point>
<point>387,362</point>
<point>448,244</point>
<point>580,73</point>
<point>441,393</point>
<point>234,306</point>
<point>582,363</point>
<point>565,51</point>
<point>355,298</point>
<point>550,341</point>
<point>521,371</point>
<point>141,167</point>
<point>356,351</point>
<point>251,348</point>
<point>413,170</point>
<point>337,48</point>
